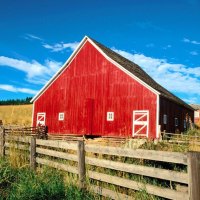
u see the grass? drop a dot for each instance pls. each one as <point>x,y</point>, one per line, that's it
<point>46,183</point>
<point>16,115</point>
<point>18,181</point>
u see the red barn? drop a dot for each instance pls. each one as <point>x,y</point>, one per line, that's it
<point>98,92</point>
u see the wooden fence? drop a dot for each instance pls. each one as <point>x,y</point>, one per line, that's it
<point>39,131</point>
<point>115,167</point>
<point>181,138</point>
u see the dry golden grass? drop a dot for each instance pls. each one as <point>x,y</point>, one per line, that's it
<point>16,115</point>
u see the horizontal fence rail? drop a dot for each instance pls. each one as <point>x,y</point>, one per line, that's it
<point>39,131</point>
<point>120,167</point>
<point>181,138</point>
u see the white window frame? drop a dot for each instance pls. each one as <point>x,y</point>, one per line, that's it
<point>110,116</point>
<point>61,116</point>
<point>176,121</point>
<point>164,119</point>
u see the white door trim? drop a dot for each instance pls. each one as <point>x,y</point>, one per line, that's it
<point>41,118</point>
<point>138,121</point>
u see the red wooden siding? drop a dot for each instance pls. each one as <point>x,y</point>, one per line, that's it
<point>173,110</point>
<point>87,89</point>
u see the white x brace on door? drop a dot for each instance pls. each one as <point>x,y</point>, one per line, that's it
<point>41,119</point>
<point>140,123</point>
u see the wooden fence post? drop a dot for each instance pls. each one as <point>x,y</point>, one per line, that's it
<point>81,164</point>
<point>194,175</point>
<point>33,153</point>
<point>2,142</point>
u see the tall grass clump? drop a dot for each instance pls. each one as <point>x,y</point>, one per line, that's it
<point>193,132</point>
<point>45,184</point>
<point>48,184</point>
<point>8,175</point>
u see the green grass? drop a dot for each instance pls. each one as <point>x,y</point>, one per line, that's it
<point>46,183</point>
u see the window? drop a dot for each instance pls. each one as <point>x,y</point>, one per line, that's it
<point>164,119</point>
<point>176,121</point>
<point>184,124</point>
<point>61,116</point>
<point>110,116</point>
<point>196,114</point>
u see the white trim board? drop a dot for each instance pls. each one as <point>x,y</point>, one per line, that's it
<point>157,116</point>
<point>33,111</point>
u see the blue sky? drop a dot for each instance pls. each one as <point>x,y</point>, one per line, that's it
<point>162,36</point>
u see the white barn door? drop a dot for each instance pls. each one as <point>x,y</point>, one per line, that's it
<point>41,117</point>
<point>140,123</point>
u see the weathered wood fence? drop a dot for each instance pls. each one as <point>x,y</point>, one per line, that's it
<point>39,131</point>
<point>114,166</point>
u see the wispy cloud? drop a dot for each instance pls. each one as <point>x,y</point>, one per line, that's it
<point>35,72</point>
<point>61,46</point>
<point>57,47</point>
<point>31,36</point>
<point>150,45</point>
<point>194,53</point>
<point>175,77</point>
<point>167,47</point>
<point>12,88</point>
<point>186,40</point>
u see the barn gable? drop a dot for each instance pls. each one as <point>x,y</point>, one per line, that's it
<point>108,56</point>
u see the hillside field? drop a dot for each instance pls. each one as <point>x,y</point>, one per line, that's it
<point>16,114</point>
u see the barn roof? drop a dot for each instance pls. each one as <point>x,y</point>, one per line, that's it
<point>133,68</point>
<point>195,106</point>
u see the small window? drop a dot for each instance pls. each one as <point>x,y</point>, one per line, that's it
<point>164,119</point>
<point>196,114</point>
<point>176,121</point>
<point>184,124</point>
<point>61,116</point>
<point>110,116</point>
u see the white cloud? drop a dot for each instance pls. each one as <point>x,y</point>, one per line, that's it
<point>35,72</point>
<point>175,77</point>
<point>194,53</point>
<point>186,40</point>
<point>12,88</point>
<point>31,36</point>
<point>61,46</point>
<point>167,47</point>
<point>150,45</point>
